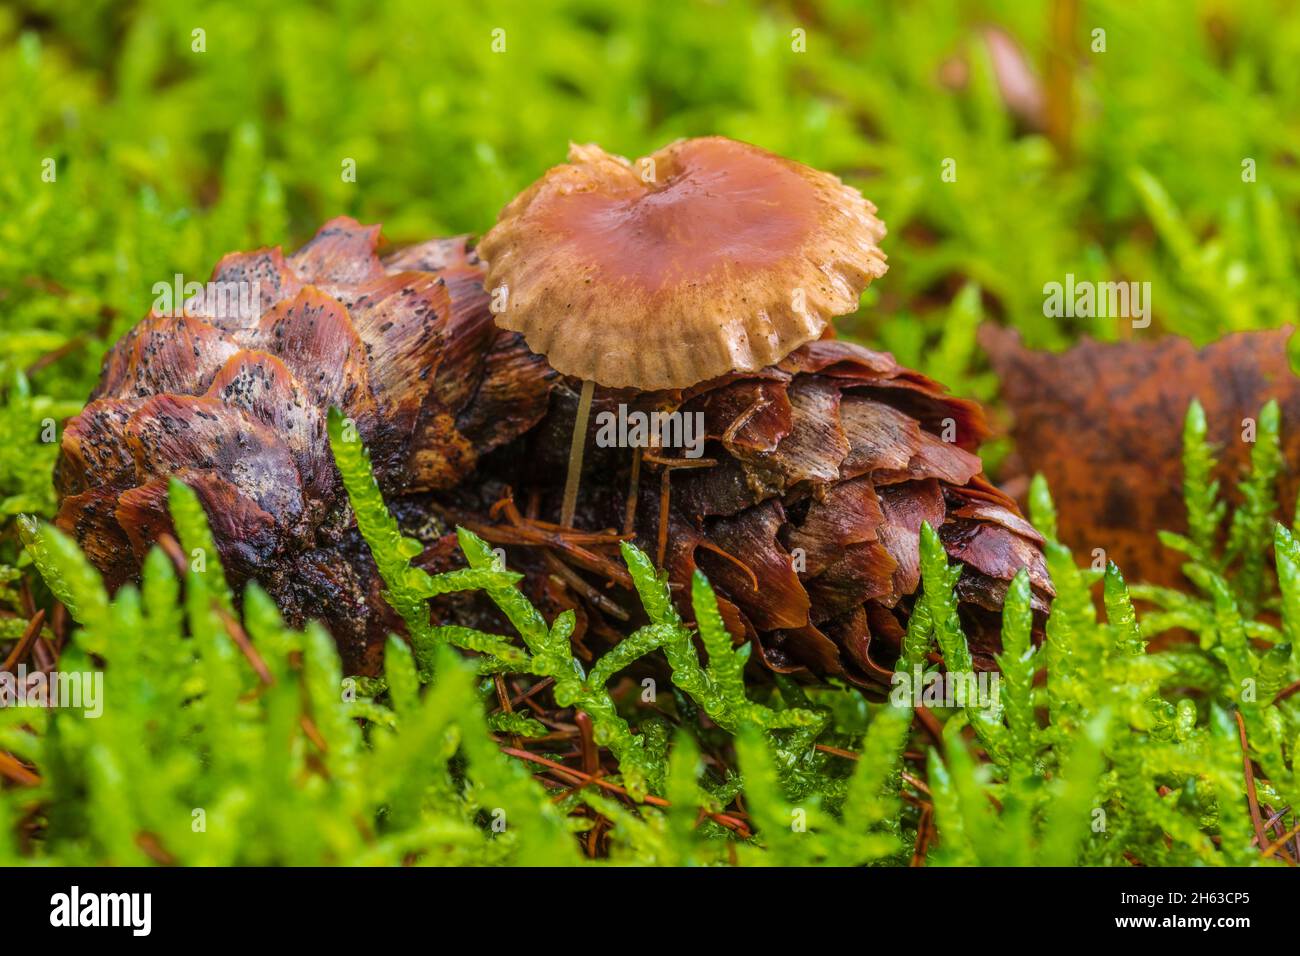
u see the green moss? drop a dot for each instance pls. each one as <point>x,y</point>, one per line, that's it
<point>167,153</point>
<point>165,158</point>
<point>226,748</point>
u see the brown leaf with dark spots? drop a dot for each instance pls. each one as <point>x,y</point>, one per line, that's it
<point>1103,423</point>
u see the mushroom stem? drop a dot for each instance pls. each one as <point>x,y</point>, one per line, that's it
<point>634,489</point>
<point>576,449</point>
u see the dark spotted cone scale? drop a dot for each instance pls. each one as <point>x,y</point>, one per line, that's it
<point>803,508</point>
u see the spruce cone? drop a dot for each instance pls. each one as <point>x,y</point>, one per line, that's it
<point>804,510</point>
<point>230,395</point>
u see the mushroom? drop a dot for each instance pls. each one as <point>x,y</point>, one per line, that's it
<point>707,257</point>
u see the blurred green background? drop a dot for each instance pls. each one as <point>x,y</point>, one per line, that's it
<point>1111,155</point>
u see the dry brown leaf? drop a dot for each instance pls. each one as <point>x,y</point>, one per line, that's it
<point>1103,423</point>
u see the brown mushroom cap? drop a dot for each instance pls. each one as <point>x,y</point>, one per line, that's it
<point>707,257</point>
